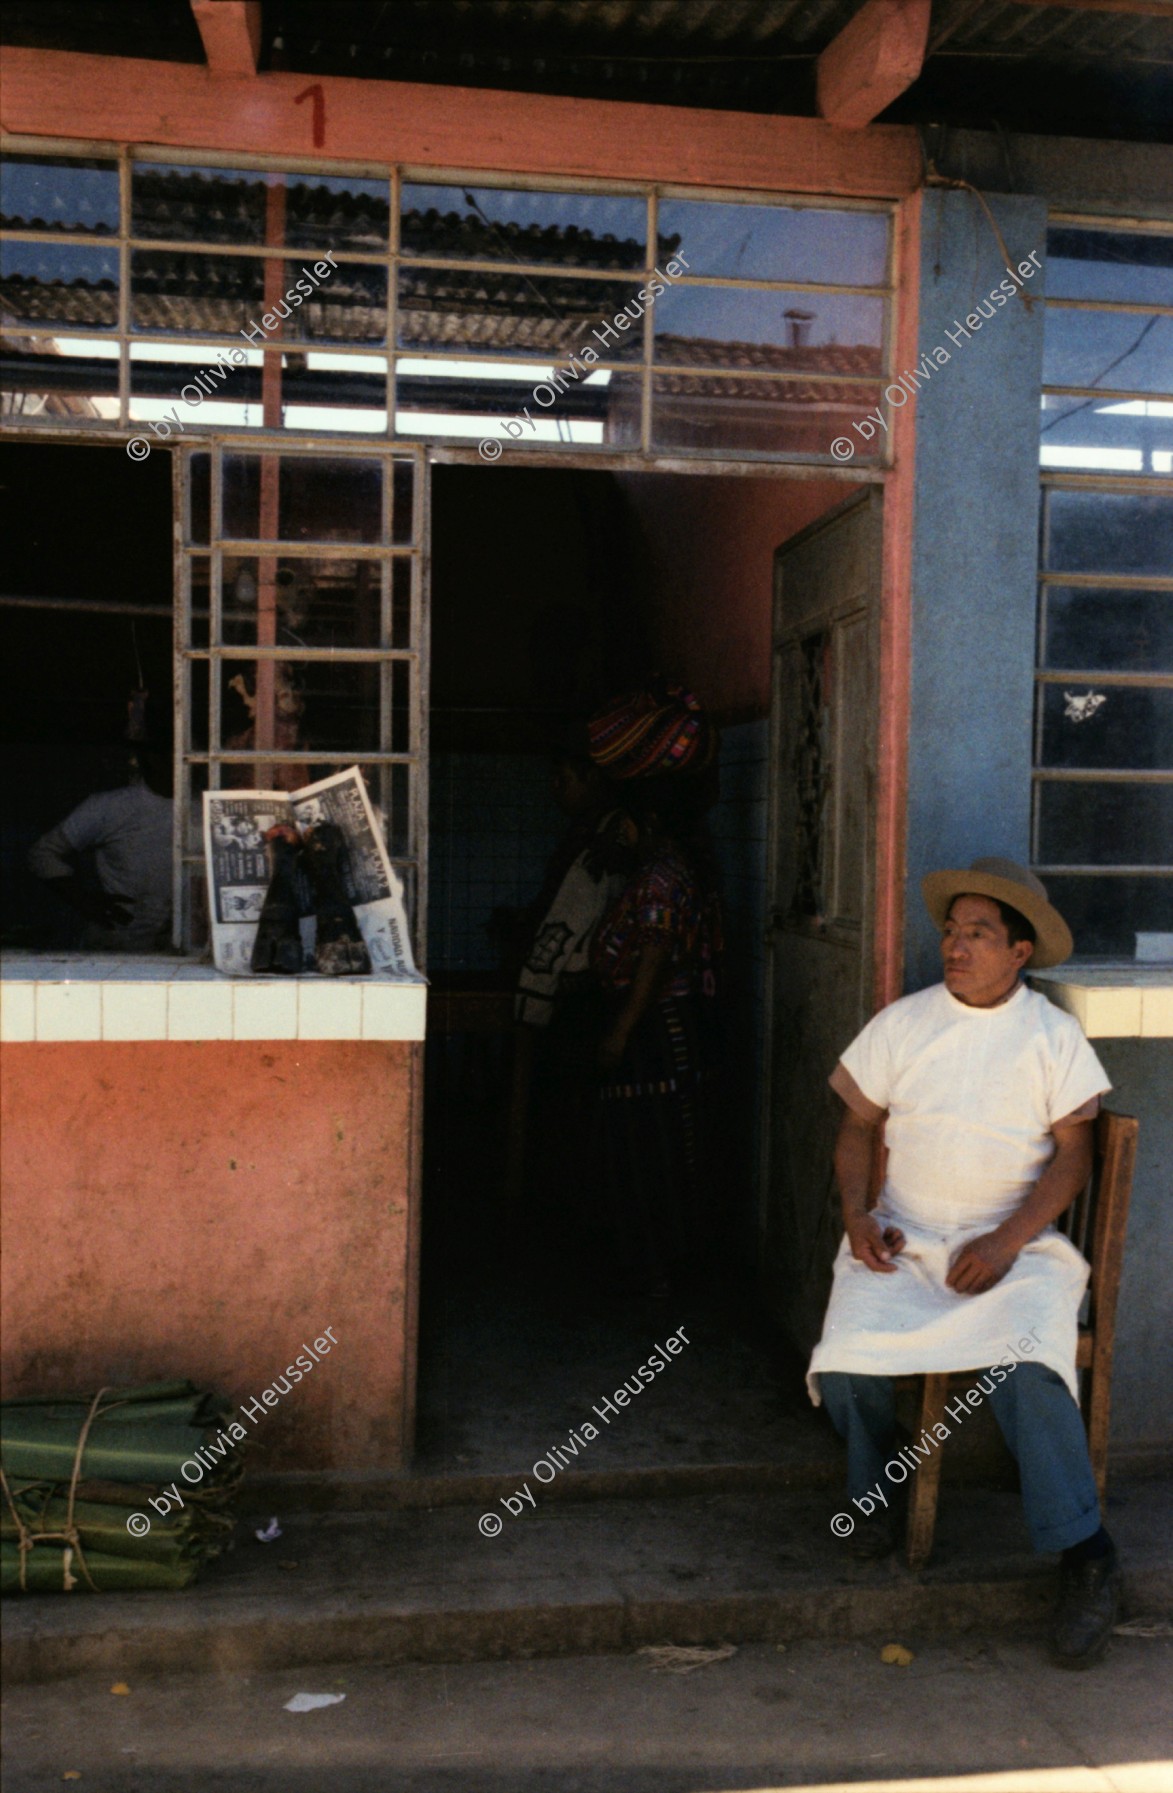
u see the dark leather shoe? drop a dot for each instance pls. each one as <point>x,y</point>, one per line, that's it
<point>1089,1597</point>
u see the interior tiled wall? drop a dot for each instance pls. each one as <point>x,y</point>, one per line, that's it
<point>493,827</point>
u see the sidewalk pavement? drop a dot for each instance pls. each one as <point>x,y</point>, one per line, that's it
<point>569,1575</point>
<point>975,1714</point>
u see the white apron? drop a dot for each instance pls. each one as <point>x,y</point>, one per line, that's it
<point>971,1096</point>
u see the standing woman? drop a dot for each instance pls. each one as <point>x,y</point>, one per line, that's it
<point>654,960</point>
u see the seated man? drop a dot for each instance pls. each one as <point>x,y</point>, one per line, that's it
<point>986,1093</point>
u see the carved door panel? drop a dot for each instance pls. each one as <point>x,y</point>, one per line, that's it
<point>819,949</point>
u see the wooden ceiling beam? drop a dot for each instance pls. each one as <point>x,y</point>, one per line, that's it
<point>872,61</point>
<point>231,32</point>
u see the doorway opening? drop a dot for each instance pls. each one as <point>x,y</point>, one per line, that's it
<point>553,590</point>
<point>87,620</point>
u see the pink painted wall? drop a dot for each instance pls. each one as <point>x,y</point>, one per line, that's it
<point>200,1210</point>
<point>709,546</point>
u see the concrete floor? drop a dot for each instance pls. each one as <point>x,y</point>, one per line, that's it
<point>981,1712</point>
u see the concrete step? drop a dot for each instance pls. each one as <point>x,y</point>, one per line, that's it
<point>570,1576</point>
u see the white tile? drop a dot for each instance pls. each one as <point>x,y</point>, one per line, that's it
<point>69,1011</point>
<point>394,1011</point>
<point>1064,996</point>
<point>199,1011</point>
<point>134,1011</point>
<point>18,1011</point>
<point>265,1011</point>
<point>1111,1014</point>
<point>1156,1013</point>
<point>329,1010</point>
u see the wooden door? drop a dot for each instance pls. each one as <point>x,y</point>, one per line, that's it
<point>821,885</point>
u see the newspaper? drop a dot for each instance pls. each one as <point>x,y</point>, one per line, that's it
<point>235,823</point>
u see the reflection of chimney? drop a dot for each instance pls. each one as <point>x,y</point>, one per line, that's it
<point>799,326</point>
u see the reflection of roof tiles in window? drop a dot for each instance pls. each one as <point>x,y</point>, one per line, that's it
<point>845,360</point>
<point>186,206</point>
<point>463,236</point>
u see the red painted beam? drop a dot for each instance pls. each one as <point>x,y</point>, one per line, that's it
<point>48,93</point>
<point>873,60</point>
<point>231,30</point>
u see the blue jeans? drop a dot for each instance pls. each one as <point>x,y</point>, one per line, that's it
<point>1039,1421</point>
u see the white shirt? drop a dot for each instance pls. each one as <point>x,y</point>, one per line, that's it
<point>971,1097</point>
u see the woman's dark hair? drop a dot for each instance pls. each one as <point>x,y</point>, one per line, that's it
<point>680,804</point>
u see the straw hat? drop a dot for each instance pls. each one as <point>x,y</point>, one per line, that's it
<point>1006,883</point>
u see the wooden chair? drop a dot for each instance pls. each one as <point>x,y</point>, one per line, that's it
<point>1095,1223</point>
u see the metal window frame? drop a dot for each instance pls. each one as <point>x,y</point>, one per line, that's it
<point>411,865</point>
<point>1137,485</point>
<point>125,156</point>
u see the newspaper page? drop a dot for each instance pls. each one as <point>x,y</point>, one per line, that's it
<point>372,885</point>
<point>235,823</point>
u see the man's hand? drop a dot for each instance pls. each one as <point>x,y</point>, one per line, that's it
<point>873,1244</point>
<point>980,1264</point>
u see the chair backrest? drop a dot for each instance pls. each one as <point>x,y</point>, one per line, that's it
<point>1097,1219</point>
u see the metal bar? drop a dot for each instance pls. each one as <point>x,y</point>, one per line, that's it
<point>1155,681</point>
<point>324,656</point>
<point>1106,871</point>
<point>419,773</point>
<point>1131,306</point>
<point>249,545</point>
<point>276,756</point>
<point>99,607</point>
<point>1099,775</point>
<point>181,712</point>
<point>1139,581</point>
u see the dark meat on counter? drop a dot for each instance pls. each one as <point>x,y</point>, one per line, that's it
<point>340,950</point>
<point>277,947</point>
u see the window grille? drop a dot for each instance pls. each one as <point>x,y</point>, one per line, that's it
<point>1103,734</point>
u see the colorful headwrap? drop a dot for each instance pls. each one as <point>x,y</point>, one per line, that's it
<point>645,733</point>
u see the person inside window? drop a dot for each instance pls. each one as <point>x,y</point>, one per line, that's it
<point>110,859</point>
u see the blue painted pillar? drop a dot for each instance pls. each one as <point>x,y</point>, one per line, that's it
<point>975,548</point>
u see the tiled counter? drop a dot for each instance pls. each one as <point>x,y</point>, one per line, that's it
<point>72,996</point>
<point>1113,1001</point>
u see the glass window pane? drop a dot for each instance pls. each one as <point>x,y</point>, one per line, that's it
<point>324,706</point>
<point>402,501</point>
<point>518,314</point>
<point>59,283</point>
<point>401,602</point>
<point>485,401</point>
<point>1134,267</point>
<point>317,603</point>
<point>67,193</point>
<point>1112,726</point>
<point>199,498</point>
<point>326,499</point>
<point>63,379</point>
<point>1106,914</point>
<point>768,242</point>
<point>348,306</point>
<point>1109,532</point>
<point>714,414</point>
<point>1104,824</point>
<point>200,577</point>
<point>337,212</point>
<point>1129,435</point>
<point>250,206</point>
<point>818,332</point>
<point>1114,351</point>
<point>208,295</point>
<point>573,230</point>
<point>1108,629</point>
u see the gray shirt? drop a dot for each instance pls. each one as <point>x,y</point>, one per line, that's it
<point>129,834</point>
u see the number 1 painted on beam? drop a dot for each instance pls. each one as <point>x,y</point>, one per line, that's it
<point>317,95</point>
